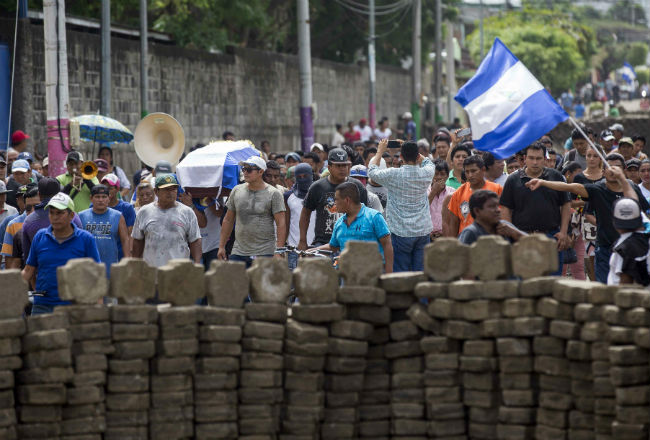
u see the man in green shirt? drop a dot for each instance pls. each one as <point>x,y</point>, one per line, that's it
<point>458,155</point>
<point>73,184</point>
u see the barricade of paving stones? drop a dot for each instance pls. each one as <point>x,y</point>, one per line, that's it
<point>402,356</point>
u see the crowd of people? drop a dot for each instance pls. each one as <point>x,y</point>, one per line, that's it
<point>399,193</point>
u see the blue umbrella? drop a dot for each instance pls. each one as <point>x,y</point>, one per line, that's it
<point>103,130</point>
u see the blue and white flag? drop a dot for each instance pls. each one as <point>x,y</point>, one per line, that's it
<point>508,107</point>
<point>628,73</point>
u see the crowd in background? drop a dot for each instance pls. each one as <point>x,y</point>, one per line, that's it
<point>366,184</point>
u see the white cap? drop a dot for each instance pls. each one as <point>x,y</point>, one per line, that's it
<point>255,161</point>
<point>407,115</point>
<point>316,145</point>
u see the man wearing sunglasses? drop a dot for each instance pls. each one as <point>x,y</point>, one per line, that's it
<point>12,245</point>
<point>256,207</point>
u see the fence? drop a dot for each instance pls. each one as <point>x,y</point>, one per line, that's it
<point>404,356</point>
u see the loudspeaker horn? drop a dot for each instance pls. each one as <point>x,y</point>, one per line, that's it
<point>157,137</point>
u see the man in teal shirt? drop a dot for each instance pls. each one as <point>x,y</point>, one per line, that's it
<point>359,223</point>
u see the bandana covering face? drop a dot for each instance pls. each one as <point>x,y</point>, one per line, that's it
<point>302,185</point>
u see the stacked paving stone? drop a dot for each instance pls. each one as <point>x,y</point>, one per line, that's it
<point>134,330</point>
<point>47,366</point>
<point>629,372</point>
<point>408,419</point>
<point>218,363</point>
<point>171,415</point>
<point>306,347</point>
<point>366,332</point>
<point>260,388</point>
<point>85,410</point>
<point>12,328</point>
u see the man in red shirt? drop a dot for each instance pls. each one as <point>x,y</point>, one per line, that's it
<point>474,169</point>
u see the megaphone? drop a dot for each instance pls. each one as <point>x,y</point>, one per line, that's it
<point>159,137</point>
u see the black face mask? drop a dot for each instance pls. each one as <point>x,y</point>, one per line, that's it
<point>302,185</point>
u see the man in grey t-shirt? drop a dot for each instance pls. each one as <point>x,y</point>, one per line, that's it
<point>166,229</point>
<point>255,206</point>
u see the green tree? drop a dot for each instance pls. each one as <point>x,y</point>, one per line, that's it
<point>643,75</point>
<point>554,48</point>
<point>628,11</point>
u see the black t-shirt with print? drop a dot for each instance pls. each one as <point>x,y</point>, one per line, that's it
<point>320,198</point>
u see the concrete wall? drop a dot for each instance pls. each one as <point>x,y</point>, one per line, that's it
<point>255,94</point>
<point>410,355</point>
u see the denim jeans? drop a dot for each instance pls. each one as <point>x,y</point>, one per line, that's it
<point>408,252</point>
<point>292,260</point>
<point>247,260</point>
<point>601,263</point>
<point>41,309</point>
<point>208,256</point>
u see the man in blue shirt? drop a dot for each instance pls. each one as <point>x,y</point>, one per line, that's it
<point>53,247</point>
<point>359,223</point>
<point>112,182</point>
<point>107,225</point>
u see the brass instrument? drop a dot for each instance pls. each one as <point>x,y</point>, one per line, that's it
<point>159,137</point>
<point>88,170</point>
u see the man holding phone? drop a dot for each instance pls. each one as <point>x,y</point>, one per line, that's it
<point>407,210</point>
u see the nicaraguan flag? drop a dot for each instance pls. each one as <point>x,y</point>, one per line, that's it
<point>508,108</point>
<point>628,73</point>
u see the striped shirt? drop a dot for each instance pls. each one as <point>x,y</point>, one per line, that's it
<point>407,209</point>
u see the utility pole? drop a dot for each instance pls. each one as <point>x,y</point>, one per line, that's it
<point>372,109</point>
<point>481,30</point>
<point>144,63</point>
<point>105,78</point>
<point>417,65</point>
<point>438,70</point>
<point>451,73</point>
<point>304,56</point>
<point>57,102</point>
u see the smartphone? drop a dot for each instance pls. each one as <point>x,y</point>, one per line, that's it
<point>394,144</point>
<point>464,132</point>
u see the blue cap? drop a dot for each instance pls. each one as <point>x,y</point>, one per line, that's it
<point>293,156</point>
<point>358,171</point>
<point>20,165</point>
<point>26,156</point>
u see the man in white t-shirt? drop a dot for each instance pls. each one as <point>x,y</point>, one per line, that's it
<point>293,199</point>
<point>364,129</point>
<point>382,131</point>
<point>166,229</point>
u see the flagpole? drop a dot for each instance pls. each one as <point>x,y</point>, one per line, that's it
<point>591,144</point>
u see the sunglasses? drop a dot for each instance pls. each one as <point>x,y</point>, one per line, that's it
<point>249,169</point>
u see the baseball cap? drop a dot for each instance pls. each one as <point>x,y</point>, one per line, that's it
<point>616,127</point>
<point>317,146</point>
<point>256,161</point>
<point>166,180</point>
<point>290,171</point>
<point>633,163</point>
<point>363,121</point>
<point>358,171</point>
<point>48,186</point>
<point>24,188</point>
<point>3,187</point>
<point>18,136</point>
<point>627,214</point>
<point>2,159</point>
<point>338,155</point>
<point>292,156</point>
<point>99,189</point>
<point>26,156</point>
<point>20,165</point>
<point>407,115</point>
<point>163,167</point>
<point>111,180</point>
<point>102,165</point>
<point>625,140</point>
<point>45,162</point>
<point>61,201</point>
<point>74,156</point>
<point>607,135</point>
